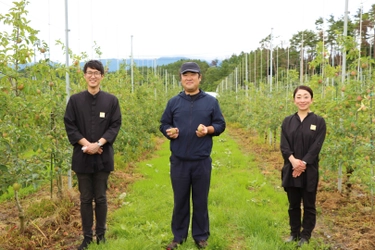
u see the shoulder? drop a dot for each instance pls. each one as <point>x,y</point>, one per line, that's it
<point>207,97</point>
<point>77,96</point>
<point>287,121</point>
<point>318,118</point>
<point>109,96</point>
<point>174,99</point>
<point>104,93</point>
<point>177,97</point>
<point>289,117</point>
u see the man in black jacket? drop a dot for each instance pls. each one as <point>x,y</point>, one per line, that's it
<point>92,121</point>
<point>189,121</point>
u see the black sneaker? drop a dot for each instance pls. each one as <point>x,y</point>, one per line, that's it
<point>100,239</point>
<point>201,243</point>
<point>85,243</point>
<point>173,245</point>
<point>292,239</point>
<point>302,242</point>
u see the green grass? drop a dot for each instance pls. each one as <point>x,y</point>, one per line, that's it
<point>246,211</point>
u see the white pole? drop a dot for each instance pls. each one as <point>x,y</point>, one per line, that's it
<point>246,69</point>
<point>154,66</point>
<point>166,81</point>
<point>277,68</point>
<point>255,67</point>
<point>287,69</point>
<point>359,43</point>
<point>301,62</point>
<point>271,60</point>
<point>131,65</point>
<point>67,85</point>
<point>344,48</point>
<point>236,77</point>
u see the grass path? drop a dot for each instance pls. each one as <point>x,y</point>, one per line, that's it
<point>247,208</point>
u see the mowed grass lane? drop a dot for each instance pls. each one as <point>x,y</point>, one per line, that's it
<point>246,210</point>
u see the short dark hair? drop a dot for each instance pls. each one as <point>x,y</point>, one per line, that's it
<point>94,64</point>
<point>304,87</point>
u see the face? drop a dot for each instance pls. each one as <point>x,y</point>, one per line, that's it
<point>190,82</point>
<point>303,100</point>
<point>93,78</point>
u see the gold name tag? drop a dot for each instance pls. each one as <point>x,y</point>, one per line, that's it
<point>313,127</point>
<point>102,115</point>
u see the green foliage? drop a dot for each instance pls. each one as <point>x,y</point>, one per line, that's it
<point>9,193</point>
<point>347,108</point>
<point>32,135</point>
<point>33,138</point>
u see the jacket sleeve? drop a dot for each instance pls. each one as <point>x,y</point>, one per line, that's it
<point>314,150</point>
<point>285,147</point>
<point>114,126</point>
<point>71,128</point>
<point>166,120</point>
<point>218,121</point>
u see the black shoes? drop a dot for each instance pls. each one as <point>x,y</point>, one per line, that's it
<point>292,239</point>
<point>302,242</point>
<point>100,239</point>
<point>173,245</point>
<point>85,243</point>
<point>201,243</point>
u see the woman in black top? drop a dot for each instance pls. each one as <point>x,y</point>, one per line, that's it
<point>302,137</point>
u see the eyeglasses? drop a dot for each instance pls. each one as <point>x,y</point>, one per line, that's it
<point>93,73</point>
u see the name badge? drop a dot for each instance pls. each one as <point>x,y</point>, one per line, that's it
<point>312,127</point>
<point>102,115</point>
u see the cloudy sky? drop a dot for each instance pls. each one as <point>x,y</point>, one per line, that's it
<point>206,29</point>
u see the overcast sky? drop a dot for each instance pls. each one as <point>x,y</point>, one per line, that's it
<point>198,29</point>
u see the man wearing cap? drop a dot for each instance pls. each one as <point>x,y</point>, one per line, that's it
<point>189,121</point>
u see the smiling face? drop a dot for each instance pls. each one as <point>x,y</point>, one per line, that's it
<point>303,100</point>
<point>93,78</point>
<point>190,82</point>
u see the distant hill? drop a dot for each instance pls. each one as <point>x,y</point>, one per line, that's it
<point>114,63</point>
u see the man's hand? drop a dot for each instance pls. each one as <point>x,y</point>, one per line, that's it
<point>201,130</point>
<point>172,133</point>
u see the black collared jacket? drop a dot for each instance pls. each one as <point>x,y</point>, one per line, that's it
<point>304,140</point>
<point>92,117</point>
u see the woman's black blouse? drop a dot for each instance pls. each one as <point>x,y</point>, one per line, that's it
<point>304,140</point>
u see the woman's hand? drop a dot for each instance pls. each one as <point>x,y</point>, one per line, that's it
<point>93,148</point>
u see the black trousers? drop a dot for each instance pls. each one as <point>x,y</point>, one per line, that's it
<point>295,196</point>
<point>190,177</point>
<point>93,187</point>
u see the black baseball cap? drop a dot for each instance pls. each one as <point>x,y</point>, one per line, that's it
<point>190,67</point>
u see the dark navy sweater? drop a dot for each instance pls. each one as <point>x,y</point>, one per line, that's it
<point>186,112</point>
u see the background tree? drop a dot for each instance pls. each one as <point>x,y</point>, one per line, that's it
<point>306,42</point>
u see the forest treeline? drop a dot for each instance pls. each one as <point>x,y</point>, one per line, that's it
<point>299,51</point>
